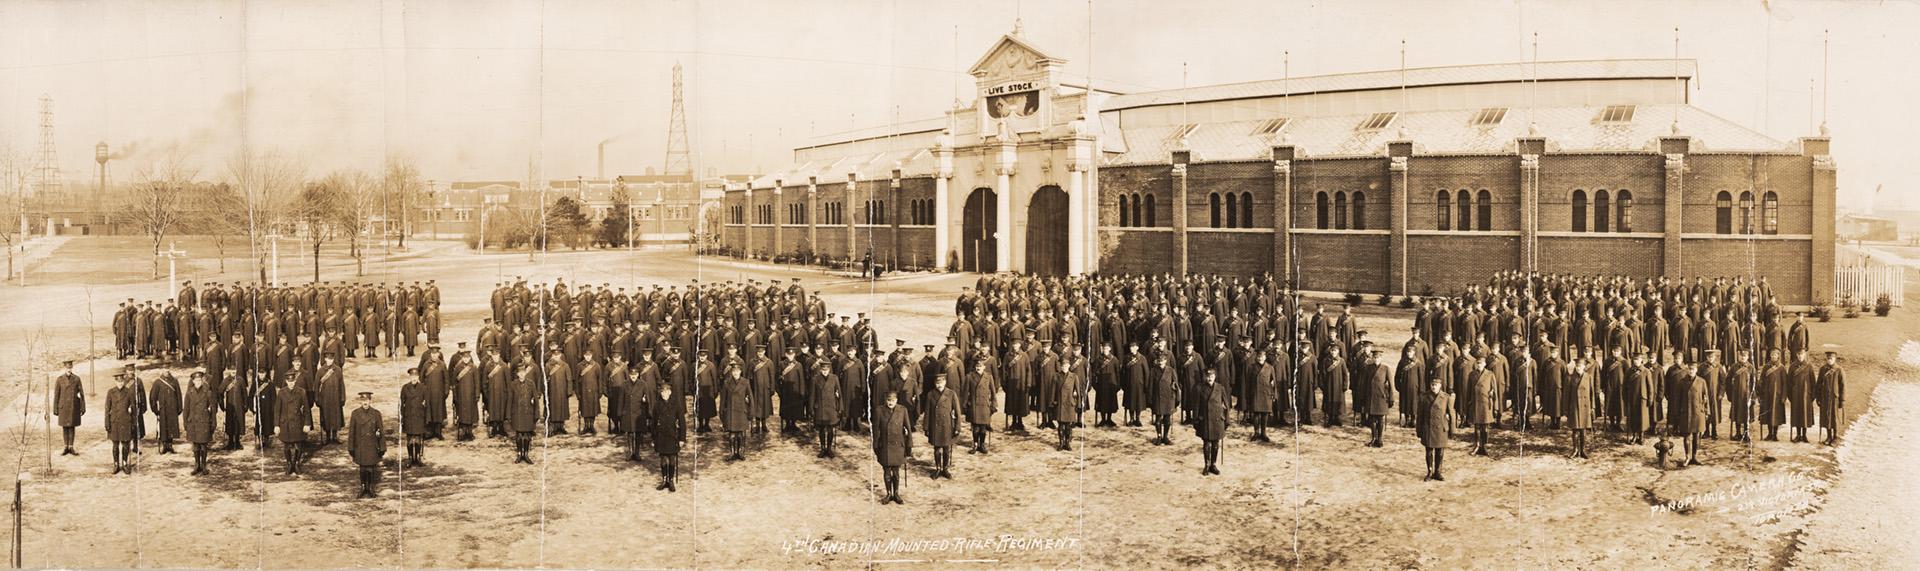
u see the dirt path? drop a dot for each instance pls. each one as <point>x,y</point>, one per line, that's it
<point>1868,520</point>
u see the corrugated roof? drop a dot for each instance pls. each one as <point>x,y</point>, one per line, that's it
<point>873,166</point>
<point>1567,129</point>
<point>1414,77</point>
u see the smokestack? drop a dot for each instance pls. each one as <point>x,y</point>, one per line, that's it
<point>600,166</point>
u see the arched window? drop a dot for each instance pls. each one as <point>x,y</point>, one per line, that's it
<point>1246,210</point>
<point>1320,210</point>
<point>1126,212</point>
<point>1340,210</point>
<point>1746,212</point>
<point>1723,213</point>
<point>1443,212</point>
<point>1359,210</point>
<point>1579,210</point>
<point>1465,199</point>
<point>1770,210</point>
<point>1150,216</point>
<point>1602,210</point>
<point>1486,210</point>
<point>1233,205</point>
<point>1137,210</point>
<point>1624,202</point>
<point>1213,206</point>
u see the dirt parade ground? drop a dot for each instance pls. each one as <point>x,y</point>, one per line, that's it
<point>1313,498</point>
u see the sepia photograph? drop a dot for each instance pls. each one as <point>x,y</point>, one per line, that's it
<point>1007,284</point>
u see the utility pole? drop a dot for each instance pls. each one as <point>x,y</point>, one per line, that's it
<point>433,210</point>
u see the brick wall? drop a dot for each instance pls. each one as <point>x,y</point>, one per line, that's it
<point>1136,251</point>
<point>1157,180</point>
<point>1788,176</point>
<point>1448,262</point>
<point>1313,176</point>
<point>1237,178</point>
<point>1342,262</point>
<point>1638,257</point>
<point>1642,174</point>
<point>1754,258</point>
<point>1231,253</point>
<point>1498,175</point>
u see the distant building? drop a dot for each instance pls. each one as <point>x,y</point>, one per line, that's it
<point>664,208</point>
<point>1384,182</point>
<point>1868,228</point>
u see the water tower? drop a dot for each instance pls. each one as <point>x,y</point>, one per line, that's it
<point>99,194</point>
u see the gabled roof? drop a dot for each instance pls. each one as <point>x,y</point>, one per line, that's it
<point>1007,42</point>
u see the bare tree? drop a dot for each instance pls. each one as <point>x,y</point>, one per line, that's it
<point>267,183</point>
<point>157,203</point>
<point>399,185</point>
<point>210,209</point>
<point>317,211</point>
<point>12,206</point>
<point>360,198</point>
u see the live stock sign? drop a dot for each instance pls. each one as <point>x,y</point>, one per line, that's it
<point>1014,87</point>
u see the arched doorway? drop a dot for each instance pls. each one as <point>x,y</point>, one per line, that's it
<point>978,246</point>
<point>1047,232</point>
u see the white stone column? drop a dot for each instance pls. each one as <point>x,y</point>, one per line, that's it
<point>1003,205</point>
<point>1076,219</point>
<point>943,156</point>
<point>1003,237</point>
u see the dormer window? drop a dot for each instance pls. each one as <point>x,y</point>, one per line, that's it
<point>1615,114</point>
<point>1376,122</point>
<point>1489,117</point>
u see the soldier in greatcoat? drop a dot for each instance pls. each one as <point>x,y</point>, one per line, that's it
<point>892,443</point>
<point>413,418</point>
<point>669,430</point>
<point>942,415</point>
<point>736,412</point>
<point>121,415</point>
<point>165,400</point>
<point>70,404</point>
<point>1212,425</point>
<point>1831,394</point>
<point>824,402</point>
<point>1435,426</point>
<point>366,443</point>
<point>198,413</point>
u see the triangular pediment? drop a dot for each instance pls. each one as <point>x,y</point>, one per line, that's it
<point>1011,53</point>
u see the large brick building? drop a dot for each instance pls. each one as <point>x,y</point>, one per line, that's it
<point>1390,182</point>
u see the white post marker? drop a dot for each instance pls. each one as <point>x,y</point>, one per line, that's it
<point>173,252</point>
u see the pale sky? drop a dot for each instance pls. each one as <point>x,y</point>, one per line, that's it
<point>480,90</point>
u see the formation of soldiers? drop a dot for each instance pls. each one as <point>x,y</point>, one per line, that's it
<point>190,412</point>
<point>1523,347</point>
<point>1640,357</point>
<point>557,357</point>
<point>1528,352</point>
<point>241,325</point>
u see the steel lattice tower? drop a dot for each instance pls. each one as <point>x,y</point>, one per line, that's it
<point>48,190</point>
<point>679,158</point>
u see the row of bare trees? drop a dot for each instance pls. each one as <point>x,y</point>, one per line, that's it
<point>263,194</point>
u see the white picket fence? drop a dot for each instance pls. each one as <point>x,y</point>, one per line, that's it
<point>1868,282</point>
